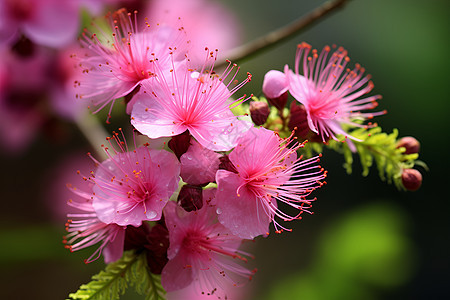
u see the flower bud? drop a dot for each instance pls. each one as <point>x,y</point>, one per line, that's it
<point>158,243</point>
<point>298,121</point>
<point>259,111</point>
<point>24,47</point>
<point>226,164</point>
<point>275,86</point>
<point>411,179</point>
<point>179,144</point>
<point>136,237</point>
<point>191,197</point>
<point>411,144</point>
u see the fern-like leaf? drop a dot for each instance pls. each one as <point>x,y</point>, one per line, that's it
<point>131,269</point>
<point>379,148</point>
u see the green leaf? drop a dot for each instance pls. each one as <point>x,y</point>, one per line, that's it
<point>131,269</point>
<point>379,148</point>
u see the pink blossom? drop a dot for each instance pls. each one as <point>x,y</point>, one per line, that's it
<point>62,92</point>
<point>85,230</point>
<point>134,186</point>
<point>113,69</point>
<point>207,24</point>
<point>330,92</point>
<point>269,173</point>
<point>202,252</point>
<point>52,23</point>
<point>199,165</point>
<point>22,91</point>
<point>183,99</point>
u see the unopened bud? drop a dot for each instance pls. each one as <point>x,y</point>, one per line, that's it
<point>136,237</point>
<point>179,144</point>
<point>226,164</point>
<point>411,144</point>
<point>158,243</point>
<point>259,111</point>
<point>275,86</point>
<point>191,197</point>
<point>279,102</point>
<point>298,121</point>
<point>24,47</point>
<point>411,179</point>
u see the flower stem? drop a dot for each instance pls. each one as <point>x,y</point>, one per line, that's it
<point>282,34</point>
<point>94,132</point>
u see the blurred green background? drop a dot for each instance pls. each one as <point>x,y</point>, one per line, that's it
<point>366,240</point>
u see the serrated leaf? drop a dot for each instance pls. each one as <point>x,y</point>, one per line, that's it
<point>131,269</point>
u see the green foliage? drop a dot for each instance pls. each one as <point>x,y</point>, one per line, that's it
<point>379,147</point>
<point>359,254</point>
<point>131,269</point>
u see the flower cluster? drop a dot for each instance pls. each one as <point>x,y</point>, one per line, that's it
<point>209,169</point>
<point>217,182</point>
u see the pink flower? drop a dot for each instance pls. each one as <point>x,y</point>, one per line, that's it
<point>202,252</point>
<point>23,90</point>
<point>52,23</point>
<point>85,230</point>
<point>207,24</point>
<point>134,186</point>
<point>113,69</point>
<point>199,165</point>
<point>330,92</point>
<point>182,99</point>
<point>269,173</point>
<point>62,92</point>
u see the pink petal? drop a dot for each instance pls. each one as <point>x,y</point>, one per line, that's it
<point>275,84</point>
<point>222,133</point>
<point>151,118</point>
<point>207,24</point>
<point>55,24</point>
<point>8,27</point>
<point>114,250</point>
<point>176,275</point>
<point>299,86</point>
<point>243,215</point>
<point>199,165</point>
<point>248,155</point>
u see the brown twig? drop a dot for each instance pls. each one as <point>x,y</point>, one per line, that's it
<point>277,36</point>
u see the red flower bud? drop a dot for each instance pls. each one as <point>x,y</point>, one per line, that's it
<point>226,164</point>
<point>411,144</point>
<point>179,144</point>
<point>411,179</point>
<point>298,121</point>
<point>158,243</point>
<point>191,197</point>
<point>259,111</point>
